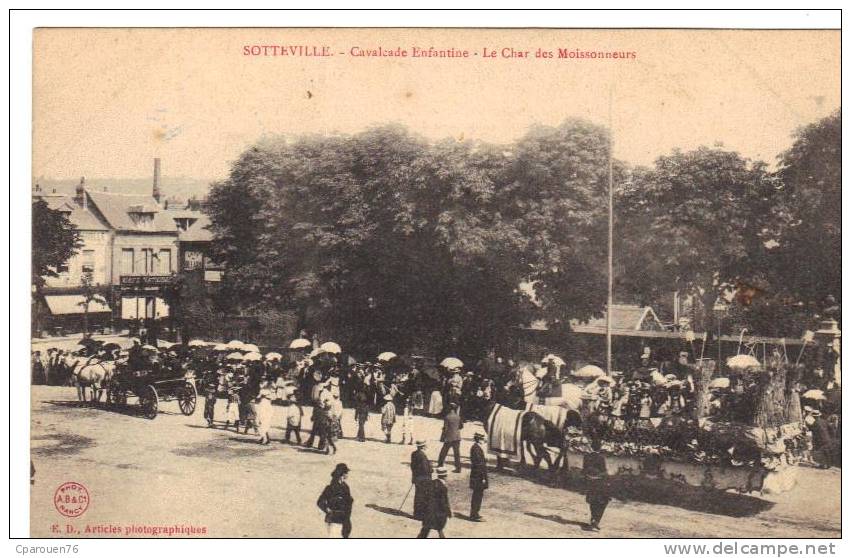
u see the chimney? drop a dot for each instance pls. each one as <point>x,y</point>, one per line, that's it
<point>156,192</point>
<point>80,198</point>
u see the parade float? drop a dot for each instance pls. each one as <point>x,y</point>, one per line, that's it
<point>742,431</point>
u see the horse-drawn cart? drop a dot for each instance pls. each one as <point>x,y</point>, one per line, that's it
<point>150,386</point>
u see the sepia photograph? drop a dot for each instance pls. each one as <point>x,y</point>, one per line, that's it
<point>435,282</point>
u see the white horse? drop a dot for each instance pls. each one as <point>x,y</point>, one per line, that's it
<point>94,375</point>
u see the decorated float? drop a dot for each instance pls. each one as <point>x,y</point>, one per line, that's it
<point>741,431</point>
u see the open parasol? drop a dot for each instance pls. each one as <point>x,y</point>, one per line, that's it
<point>300,344</point>
<point>316,352</point>
<point>386,356</point>
<point>221,347</point>
<point>743,362</point>
<point>250,348</point>
<point>813,394</point>
<point>331,347</point>
<point>719,383</point>
<point>235,356</point>
<point>253,356</point>
<point>451,363</point>
<point>589,371</point>
<point>554,359</point>
<point>196,343</point>
<point>236,345</point>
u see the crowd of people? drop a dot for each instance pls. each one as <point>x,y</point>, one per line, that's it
<point>393,390</point>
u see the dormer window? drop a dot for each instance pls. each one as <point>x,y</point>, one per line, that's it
<point>142,216</point>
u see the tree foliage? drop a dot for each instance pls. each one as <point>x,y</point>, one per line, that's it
<point>807,261</point>
<point>54,240</point>
<point>697,222</point>
<point>383,239</point>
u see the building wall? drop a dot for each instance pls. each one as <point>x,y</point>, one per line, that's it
<point>95,254</point>
<point>141,246</point>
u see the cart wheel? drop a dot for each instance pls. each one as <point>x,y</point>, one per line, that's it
<point>148,402</point>
<point>187,398</point>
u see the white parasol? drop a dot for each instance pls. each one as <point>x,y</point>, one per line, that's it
<point>235,356</point>
<point>221,347</point>
<point>300,344</point>
<point>236,344</point>
<point>316,352</point>
<point>554,359</point>
<point>331,347</point>
<point>196,343</point>
<point>719,383</point>
<point>253,356</point>
<point>386,356</point>
<point>250,348</point>
<point>743,362</point>
<point>589,371</point>
<point>451,363</point>
<point>814,394</point>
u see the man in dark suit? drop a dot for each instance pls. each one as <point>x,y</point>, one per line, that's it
<point>421,479</point>
<point>451,437</point>
<point>478,476</point>
<point>438,510</point>
<point>596,482</point>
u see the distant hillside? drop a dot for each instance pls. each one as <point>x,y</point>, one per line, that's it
<point>179,188</point>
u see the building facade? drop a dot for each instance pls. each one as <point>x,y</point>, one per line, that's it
<point>131,252</point>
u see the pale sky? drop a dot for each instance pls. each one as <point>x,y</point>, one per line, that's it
<point>106,101</point>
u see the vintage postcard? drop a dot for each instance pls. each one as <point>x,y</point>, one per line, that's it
<point>424,282</point>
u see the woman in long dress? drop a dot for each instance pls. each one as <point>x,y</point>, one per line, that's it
<point>264,411</point>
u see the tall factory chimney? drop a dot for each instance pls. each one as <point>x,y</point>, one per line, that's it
<point>80,198</point>
<point>156,192</point>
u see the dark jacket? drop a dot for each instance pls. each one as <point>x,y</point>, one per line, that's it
<point>451,428</point>
<point>336,501</point>
<point>438,509</point>
<point>478,468</point>
<point>596,476</point>
<point>420,467</point>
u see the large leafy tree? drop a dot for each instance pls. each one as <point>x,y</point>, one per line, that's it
<point>383,240</point>
<point>700,222</point>
<point>807,262</point>
<point>54,240</point>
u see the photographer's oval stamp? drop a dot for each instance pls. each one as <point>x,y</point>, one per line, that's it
<point>71,499</point>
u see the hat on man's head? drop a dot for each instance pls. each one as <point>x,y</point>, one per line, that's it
<point>478,436</point>
<point>441,472</point>
<point>340,470</point>
<point>421,443</point>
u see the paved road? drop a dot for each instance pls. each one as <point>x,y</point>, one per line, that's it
<point>174,470</point>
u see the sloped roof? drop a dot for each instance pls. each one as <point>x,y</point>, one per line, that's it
<point>626,317</point>
<point>116,209</point>
<point>197,232</point>
<point>83,219</point>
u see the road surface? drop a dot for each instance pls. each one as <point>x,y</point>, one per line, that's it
<point>174,471</point>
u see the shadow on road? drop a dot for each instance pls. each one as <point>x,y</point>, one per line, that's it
<point>558,519</point>
<point>389,511</point>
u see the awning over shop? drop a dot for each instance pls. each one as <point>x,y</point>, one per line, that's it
<point>73,304</point>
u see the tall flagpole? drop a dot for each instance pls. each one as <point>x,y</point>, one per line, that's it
<point>611,244</point>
